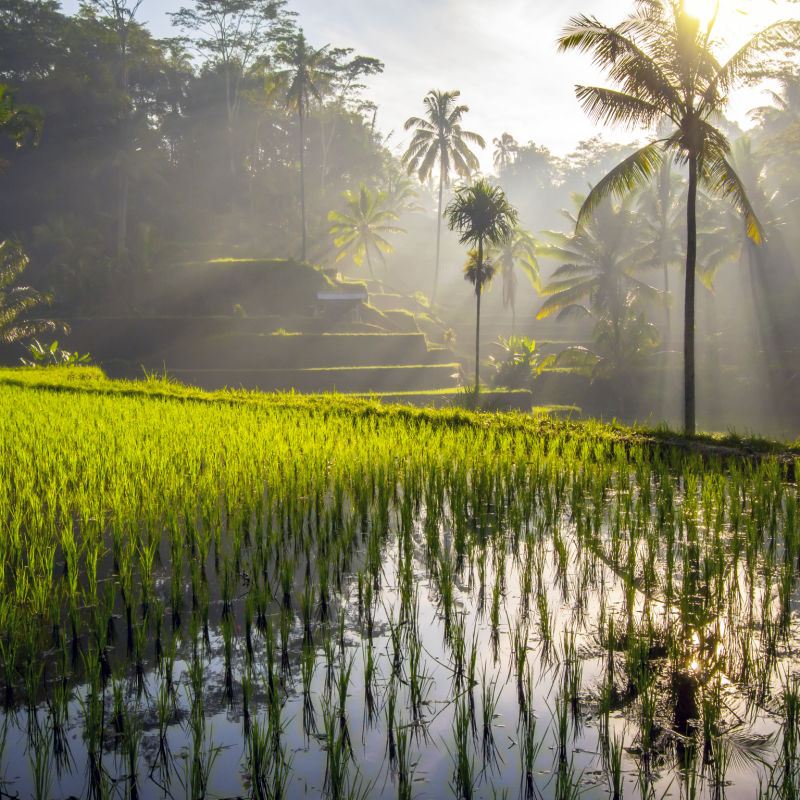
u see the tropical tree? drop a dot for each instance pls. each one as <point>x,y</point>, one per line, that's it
<point>662,227</point>
<point>439,138</point>
<point>505,152</point>
<point>16,301</point>
<point>232,34</point>
<point>307,75</point>
<point>599,278</point>
<point>519,250</point>
<point>662,60</point>
<point>18,123</point>
<point>482,216</point>
<point>360,230</point>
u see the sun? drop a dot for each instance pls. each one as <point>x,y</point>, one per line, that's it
<point>702,10</point>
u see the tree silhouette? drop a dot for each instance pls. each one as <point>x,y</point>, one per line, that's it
<point>519,250</point>
<point>440,138</point>
<point>600,265</point>
<point>483,216</point>
<point>505,152</point>
<point>661,219</point>
<point>15,300</point>
<point>360,230</point>
<point>662,60</point>
<point>307,74</point>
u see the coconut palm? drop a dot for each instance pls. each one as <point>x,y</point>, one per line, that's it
<point>505,152</point>
<point>15,301</point>
<point>483,216</point>
<point>661,217</point>
<point>661,58</point>
<point>440,138</point>
<point>519,250</point>
<point>599,276</point>
<point>307,75</point>
<point>360,230</point>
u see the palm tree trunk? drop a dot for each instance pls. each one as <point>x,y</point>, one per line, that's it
<point>369,262</point>
<point>438,236</point>
<point>478,289</point>
<point>688,313</point>
<point>302,189</point>
<point>122,214</point>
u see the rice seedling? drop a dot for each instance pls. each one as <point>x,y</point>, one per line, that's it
<point>674,563</point>
<point>614,767</point>
<point>40,755</point>
<point>490,695</point>
<point>131,740</point>
<point>404,765</point>
<point>464,773</point>
<point>338,752</point>
<point>529,749</point>
<point>368,660</point>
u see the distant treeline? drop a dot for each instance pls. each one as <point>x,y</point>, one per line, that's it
<point>153,151</point>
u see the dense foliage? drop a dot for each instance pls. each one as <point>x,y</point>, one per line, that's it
<point>147,156</point>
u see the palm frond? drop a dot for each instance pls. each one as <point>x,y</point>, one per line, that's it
<point>610,106</point>
<point>750,54</point>
<point>630,174</point>
<point>724,182</point>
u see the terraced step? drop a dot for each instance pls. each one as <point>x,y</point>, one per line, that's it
<point>417,377</point>
<point>250,351</point>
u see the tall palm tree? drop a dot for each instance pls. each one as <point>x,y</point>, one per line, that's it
<point>360,230</point>
<point>662,60</point>
<point>505,151</point>
<point>519,250</point>
<point>439,137</point>
<point>307,75</point>
<point>483,216</point>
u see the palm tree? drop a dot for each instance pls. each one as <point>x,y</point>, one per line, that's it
<point>439,137</point>
<point>361,229</point>
<point>599,266</point>
<point>519,250</point>
<point>505,152</point>
<point>662,61</point>
<point>483,216</point>
<point>15,301</point>
<point>307,73</point>
<point>660,209</point>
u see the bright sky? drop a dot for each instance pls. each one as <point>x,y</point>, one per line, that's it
<point>501,56</point>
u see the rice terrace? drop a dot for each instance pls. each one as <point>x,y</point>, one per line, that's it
<point>238,594</point>
<point>381,429</point>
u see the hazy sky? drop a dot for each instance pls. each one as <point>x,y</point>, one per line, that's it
<point>501,56</point>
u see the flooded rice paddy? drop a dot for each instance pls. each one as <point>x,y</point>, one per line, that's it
<point>289,599</point>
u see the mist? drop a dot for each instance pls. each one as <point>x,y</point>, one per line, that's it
<point>235,216</point>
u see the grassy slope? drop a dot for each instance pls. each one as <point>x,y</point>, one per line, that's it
<point>92,380</point>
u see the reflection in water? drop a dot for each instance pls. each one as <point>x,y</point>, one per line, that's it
<point>550,642</point>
